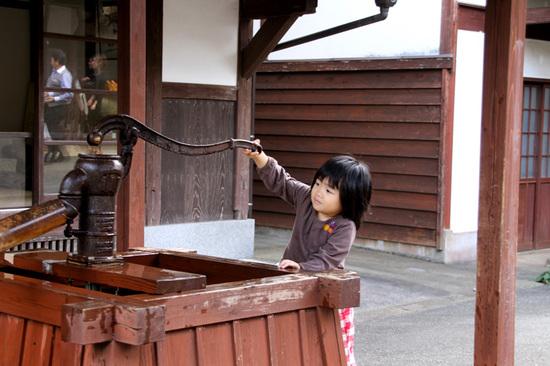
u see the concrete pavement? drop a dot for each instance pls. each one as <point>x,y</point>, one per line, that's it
<point>415,312</point>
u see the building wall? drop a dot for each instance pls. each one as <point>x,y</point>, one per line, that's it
<point>200,41</point>
<point>191,199</point>
<point>461,236</point>
<point>387,113</point>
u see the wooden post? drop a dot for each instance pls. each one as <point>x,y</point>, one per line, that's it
<point>131,198</point>
<point>499,182</point>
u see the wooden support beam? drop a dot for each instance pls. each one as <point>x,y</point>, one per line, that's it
<point>132,51</point>
<point>499,182</point>
<point>538,16</point>
<point>264,42</point>
<point>262,9</point>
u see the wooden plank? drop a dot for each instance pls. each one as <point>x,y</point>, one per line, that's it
<point>398,234</point>
<point>201,349</point>
<point>350,96</point>
<point>471,18</point>
<point>311,342</point>
<point>132,101</point>
<point>339,289</point>
<point>356,113</point>
<point>198,91</point>
<point>406,200</point>
<point>255,342</point>
<point>220,302</point>
<point>31,223</point>
<point>87,322</point>
<point>403,212</point>
<point>329,331</point>
<point>65,353</point>
<point>499,182</point>
<point>216,344</point>
<point>134,277</point>
<point>243,130</point>
<point>197,188</point>
<point>286,338</point>
<point>380,215</point>
<point>36,260</point>
<point>526,216</point>
<point>410,218</point>
<point>111,353</point>
<point>273,345</point>
<point>397,79</point>
<point>339,146</point>
<point>148,356</point>
<point>127,275</point>
<point>406,183</point>
<point>414,64</point>
<point>179,345</point>
<point>154,43</point>
<point>538,15</point>
<point>218,270</point>
<point>90,322</point>
<point>138,324</point>
<point>378,164</point>
<point>263,42</point>
<point>34,300</point>
<point>303,329</point>
<point>237,343</point>
<point>261,9</point>
<point>373,130</point>
<point>37,344</point>
<point>11,339</point>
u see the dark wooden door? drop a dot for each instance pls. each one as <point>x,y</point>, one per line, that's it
<point>534,197</point>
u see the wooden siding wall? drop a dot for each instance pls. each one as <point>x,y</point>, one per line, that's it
<point>197,188</point>
<point>385,113</point>
<point>302,337</point>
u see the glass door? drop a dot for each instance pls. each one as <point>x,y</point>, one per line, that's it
<point>16,107</point>
<point>534,196</point>
<point>79,82</point>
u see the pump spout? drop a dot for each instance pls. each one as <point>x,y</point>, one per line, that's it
<point>29,224</point>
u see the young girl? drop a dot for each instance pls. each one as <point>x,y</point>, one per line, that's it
<point>328,215</point>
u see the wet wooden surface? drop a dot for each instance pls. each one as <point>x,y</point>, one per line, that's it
<point>137,277</point>
<point>278,318</point>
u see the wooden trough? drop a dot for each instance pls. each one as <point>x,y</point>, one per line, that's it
<point>169,308</point>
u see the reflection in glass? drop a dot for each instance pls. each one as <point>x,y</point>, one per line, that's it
<point>86,31</point>
<point>81,18</point>
<point>54,172</point>
<point>15,172</point>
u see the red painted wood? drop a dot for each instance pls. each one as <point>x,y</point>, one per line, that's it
<point>37,344</point>
<point>499,182</point>
<point>262,320</point>
<point>11,339</point>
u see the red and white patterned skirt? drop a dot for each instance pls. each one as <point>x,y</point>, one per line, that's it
<point>348,333</point>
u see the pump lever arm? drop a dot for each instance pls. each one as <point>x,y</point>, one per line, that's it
<point>131,129</point>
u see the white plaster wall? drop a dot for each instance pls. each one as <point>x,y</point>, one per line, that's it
<point>536,63</point>
<point>467,132</point>
<point>200,42</point>
<point>412,28</point>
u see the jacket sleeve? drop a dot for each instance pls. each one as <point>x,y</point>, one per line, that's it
<point>278,181</point>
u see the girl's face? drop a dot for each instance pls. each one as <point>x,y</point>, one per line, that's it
<point>325,200</point>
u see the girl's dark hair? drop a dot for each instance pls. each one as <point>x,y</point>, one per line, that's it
<point>352,179</point>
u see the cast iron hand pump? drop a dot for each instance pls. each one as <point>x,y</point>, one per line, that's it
<point>90,189</point>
